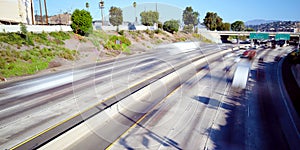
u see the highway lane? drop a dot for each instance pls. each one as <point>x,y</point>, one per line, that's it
<point>29,107</point>
<point>186,115</point>
<point>269,120</point>
<point>204,114</point>
<point>99,133</point>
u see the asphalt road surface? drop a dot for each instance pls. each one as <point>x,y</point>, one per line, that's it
<point>205,113</point>
<point>32,106</point>
<point>202,112</point>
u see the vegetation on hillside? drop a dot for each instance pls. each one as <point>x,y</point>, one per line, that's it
<point>18,63</point>
<point>118,43</point>
<point>26,53</point>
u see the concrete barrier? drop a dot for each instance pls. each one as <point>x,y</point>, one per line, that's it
<point>123,27</point>
<point>35,28</point>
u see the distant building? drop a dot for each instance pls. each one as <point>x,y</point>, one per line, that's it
<point>60,19</point>
<point>15,11</point>
<point>98,24</point>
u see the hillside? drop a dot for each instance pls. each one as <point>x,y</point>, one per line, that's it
<point>276,26</point>
<point>258,22</point>
<point>25,55</point>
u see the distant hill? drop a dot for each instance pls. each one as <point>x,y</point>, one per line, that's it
<point>276,26</point>
<point>258,22</point>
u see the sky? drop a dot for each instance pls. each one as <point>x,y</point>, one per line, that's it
<point>229,10</point>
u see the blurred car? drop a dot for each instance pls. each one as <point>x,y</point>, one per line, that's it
<point>249,54</point>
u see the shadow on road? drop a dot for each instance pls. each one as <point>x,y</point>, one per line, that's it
<point>165,141</point>
<point>252,119</point>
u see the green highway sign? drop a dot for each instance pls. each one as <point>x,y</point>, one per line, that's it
<point>259,36</point>
<point>280,36</point>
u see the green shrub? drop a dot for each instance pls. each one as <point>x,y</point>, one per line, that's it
<point>171,26</point>
<point>81,21</point>
<point>60,35</point>
<point>23,29</point>
<point>17,63</point>
<point>158,31</point>
<point>121,32</point>
<point>188,28</point>
<point>123,39</point>
<point>159,25</point>
<point>181,39</point>
<point>123,46</point>
<point>12,38</point>
<point>151,35</point>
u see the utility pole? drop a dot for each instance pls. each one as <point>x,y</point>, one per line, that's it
<point>41,14</point>
<point>46,12</point>
<point>32,17</point>
<point>101,5</point>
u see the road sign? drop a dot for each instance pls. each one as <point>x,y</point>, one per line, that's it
<point>259,36</point>
<point>281,36</point>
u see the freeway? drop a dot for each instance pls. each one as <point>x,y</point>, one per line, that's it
<point>209,116</point>
<point>41,108</point>
<point>196,108</point>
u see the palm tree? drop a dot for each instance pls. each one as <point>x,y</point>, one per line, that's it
<point>134,5</point>
<point>87,5</point>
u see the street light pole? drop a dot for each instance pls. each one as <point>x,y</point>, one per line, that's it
<point>101,5</point>
<point>134,5</point>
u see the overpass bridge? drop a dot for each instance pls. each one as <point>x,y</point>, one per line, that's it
<point>292,37</point>
<point>246,33</point>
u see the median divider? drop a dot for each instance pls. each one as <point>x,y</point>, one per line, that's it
<point>168,77</point>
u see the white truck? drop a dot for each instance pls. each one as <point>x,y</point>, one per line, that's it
<point>240,76</point>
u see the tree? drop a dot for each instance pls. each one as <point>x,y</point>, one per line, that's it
<point>148,18</point>
<point>220,24</point>
<point>249,29</point>
<point>171,26</point>
<point>226,26</point>
<point>238,26</point>
<point>188,28</point>
<point>81,21</point>
<point>115,16</point>
<point>189,16</point>
<point>134,5</point>
<point>87,5</point>
<point>212,21</point>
